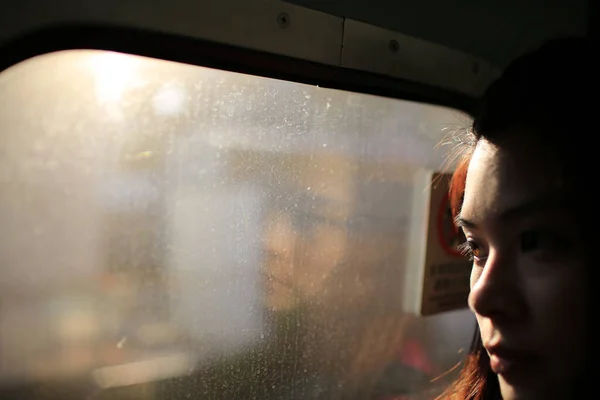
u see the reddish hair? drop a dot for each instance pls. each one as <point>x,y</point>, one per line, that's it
<point>457,184</point>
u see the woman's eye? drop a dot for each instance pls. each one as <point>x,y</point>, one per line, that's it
<point>529,241</point>
<point>541,241</point>
<point>471,250</point>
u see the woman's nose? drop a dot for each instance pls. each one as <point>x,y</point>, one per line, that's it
<point>495,289</point>
<point>279,235</point>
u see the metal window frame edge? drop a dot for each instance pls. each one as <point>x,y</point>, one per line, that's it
<point>269,37</point>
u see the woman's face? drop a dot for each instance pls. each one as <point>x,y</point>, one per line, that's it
<point>527,281</point>
<point>301,252</point>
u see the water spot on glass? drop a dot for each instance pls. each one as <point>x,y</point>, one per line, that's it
<point>121,343</point>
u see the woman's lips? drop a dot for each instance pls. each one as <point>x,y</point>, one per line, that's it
<point>500,365</point>
<point>503,360</point>
<point>273,281</point>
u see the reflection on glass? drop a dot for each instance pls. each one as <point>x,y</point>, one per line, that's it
<point>170,231</point>
<point>304,240</point>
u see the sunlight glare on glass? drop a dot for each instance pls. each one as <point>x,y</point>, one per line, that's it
<point>170,99</point>
<point>114,73</point>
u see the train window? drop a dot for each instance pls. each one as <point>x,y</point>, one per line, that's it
<point>173,231</point>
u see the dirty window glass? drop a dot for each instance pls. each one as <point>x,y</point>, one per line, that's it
<point>171,231</point>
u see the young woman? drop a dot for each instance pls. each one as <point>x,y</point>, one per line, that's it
<point>522,194</point>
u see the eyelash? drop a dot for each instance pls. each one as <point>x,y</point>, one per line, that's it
<point>469,249</point>
<point>544,241</point>
<point>530,241</point>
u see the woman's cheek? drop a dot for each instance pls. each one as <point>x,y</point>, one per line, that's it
<point>475,274</point>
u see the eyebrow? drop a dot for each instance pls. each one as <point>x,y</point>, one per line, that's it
<point>536,205</point>
<point>463,223</point>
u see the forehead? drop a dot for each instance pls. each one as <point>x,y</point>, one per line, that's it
<point>504,176</point>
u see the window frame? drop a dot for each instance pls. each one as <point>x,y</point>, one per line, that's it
<point>220,56</point>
